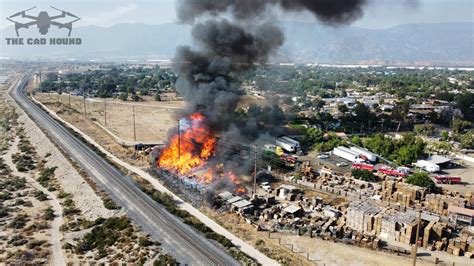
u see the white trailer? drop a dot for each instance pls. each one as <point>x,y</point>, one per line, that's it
<point>427,166</point>
<point>286,145</point>
<point>347,154</point>
<point>370,156</point>
<point>290,140</point>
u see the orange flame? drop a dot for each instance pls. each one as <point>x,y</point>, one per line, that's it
<point>190,151</point>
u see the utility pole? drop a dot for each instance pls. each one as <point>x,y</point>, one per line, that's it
<point>179,140</point>
<point>84,103</point>
<point>255,171</point>
<point>416,238</point>
<point>134,128</point>
<point>105,112</point>
<point>69,99</point>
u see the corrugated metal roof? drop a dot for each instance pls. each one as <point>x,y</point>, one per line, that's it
<point>234,199</point>
<point>242,204</point>
<point>437,159</point>
<point>226,195</point>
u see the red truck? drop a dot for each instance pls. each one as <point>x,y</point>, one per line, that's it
<point>289,158</point>
<point>362,166</point>
<point>447,179</point>
<point>391,172</point>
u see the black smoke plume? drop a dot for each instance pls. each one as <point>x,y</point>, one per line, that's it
<point>328,11</point>
<point>209,75</point>
<point>230,38</point>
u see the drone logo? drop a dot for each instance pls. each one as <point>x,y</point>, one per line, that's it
<point>43,21</point>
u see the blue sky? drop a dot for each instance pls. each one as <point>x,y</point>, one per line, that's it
<point>379,14</point>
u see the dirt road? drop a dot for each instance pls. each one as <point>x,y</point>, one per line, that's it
<point>57,255</point>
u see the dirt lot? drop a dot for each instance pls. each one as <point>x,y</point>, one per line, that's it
<point>260,240</point>
<point>90,128</point>
<point>329,253</point>
<point>466,172</point>
<point>153,119</point>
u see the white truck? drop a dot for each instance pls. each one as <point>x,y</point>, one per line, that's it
<point>427,166</point>
<point>347,154</point>
<point>369,155</point>
<point>288,144</point>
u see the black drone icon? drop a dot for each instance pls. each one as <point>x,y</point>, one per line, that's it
<point>43,21</point>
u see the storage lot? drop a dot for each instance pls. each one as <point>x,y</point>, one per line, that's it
<point>466,172</point>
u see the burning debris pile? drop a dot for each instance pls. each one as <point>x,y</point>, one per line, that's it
<point>191,149</point>
<point>189,152</point>
<point>209,79</point>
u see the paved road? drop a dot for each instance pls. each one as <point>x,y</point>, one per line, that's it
<point>181,241</point>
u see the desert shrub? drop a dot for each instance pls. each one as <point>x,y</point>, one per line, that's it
<point>5,195</point>
<point>63,195</point>
<point>19,221</point>
<point>71,211</point>
<point>144,241</point>
<point>45,175</point>
<point>35,243</point>
<point>104,235</point>
<point>4,212</point>
<point>40,195</point>
<point>165,259</point>
<point>48,214</point>
<point>110,204</point>
<point>17,240</point>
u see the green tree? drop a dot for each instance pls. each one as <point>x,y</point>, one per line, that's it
<point>363,175</point>
<point>465,102</point>
<point>425,130</point>
<point>357,141</point>
<point>460,125</point>
<point>466,140</point>
<point>312,137</point>
<point>444,135</point>
<point>422,180</point>
<point>123,96</point>
<point>343,108</point>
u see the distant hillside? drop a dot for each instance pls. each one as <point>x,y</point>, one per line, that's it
<point>442,43</point>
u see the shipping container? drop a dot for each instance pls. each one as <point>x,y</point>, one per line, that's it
<point>369,155</point>
<point>288,144</point>
<point>347,154</point>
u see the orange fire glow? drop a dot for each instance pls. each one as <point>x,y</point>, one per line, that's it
<point>188,153</point>
<point>189,150</point>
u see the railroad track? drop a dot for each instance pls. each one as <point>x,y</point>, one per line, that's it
<point>183,242</point>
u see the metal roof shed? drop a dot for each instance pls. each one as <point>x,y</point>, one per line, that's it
<point>437,159</point>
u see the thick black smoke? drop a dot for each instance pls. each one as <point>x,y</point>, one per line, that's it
<point>208,77</point>
<point>328,11</point>
<point>234,37</point>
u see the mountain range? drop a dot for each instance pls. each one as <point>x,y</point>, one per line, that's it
<point>425,44</point>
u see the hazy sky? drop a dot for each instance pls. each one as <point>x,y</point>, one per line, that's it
<point>379,14</point>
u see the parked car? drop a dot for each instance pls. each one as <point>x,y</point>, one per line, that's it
<point>323,156</point>
<point>341,164</point>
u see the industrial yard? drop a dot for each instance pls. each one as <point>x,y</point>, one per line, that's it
<point>321,195</point>
<point>269,132</point>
